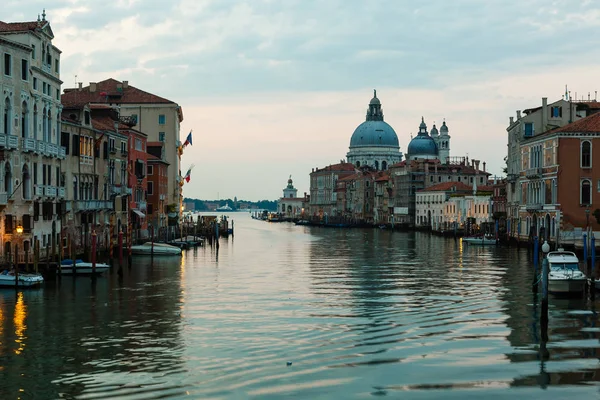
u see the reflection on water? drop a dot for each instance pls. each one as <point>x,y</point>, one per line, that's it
<point>284,311</point>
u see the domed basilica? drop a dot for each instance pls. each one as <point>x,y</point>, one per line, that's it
<point>375,143</point>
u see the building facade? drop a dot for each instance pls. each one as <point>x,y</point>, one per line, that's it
<point>323,184</point>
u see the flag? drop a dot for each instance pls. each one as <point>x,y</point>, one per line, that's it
<point>188,174</point>
<point>188,140</point>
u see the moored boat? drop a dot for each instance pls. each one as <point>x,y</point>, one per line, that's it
<point>564,276</point>
<point>480,240</point>
<point>159,249</point>
<point>8,279</point>
<point>81,268</point>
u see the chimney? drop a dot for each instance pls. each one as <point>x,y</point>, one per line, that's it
<point>544,113</point>
<point>476,166</point>
<point>484,166</point>
<point>512,120</point>
<point>80,84</point>
<point>92,87</point>
<point>518,115</point>
<point>125,84</point>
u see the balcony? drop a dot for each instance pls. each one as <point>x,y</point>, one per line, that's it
<point>142,205</point>
<point>126,190</point>
<point>92,205</point>
<point>12,142</point>
<point>113,150</point>
<point>61,192</point>
<point>116,190</point>
<point>52,149</point>
<point>3,199</point>
<point>50,191</point>
<point>29,145</point>
<point>2,140</point>
<point>512,177</point>
<point>534,207</point>
<point>38,190</point>
<point>162,197</point>
<point>41,147</point>
<point>62,152</point>
<point>533,173</point>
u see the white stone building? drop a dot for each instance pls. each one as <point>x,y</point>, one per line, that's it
<point>290,205</point>
<point>30,171</point>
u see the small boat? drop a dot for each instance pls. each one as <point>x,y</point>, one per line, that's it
<point>564,276</point>
<point>8,279</point>
<point>81,267</point>
<point>159,249</point>
<point>480,240</point>
<point>224,208</point>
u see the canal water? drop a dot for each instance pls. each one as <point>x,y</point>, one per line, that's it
<point>285,311</point>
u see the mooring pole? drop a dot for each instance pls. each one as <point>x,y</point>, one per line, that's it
<point>536,253</point>
<point>152,240</point>
<point>36,255</point>
<point>545,272</point>
<point>16,266</point>
<point>94,239</point>
<point>593,251</point>
<point>120,244</point>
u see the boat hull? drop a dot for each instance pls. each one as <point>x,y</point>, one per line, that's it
<point>480,242</point>
<point>566,286</point>
<point>160,249</point>
<point>83,269</point>
<point>25,280</point>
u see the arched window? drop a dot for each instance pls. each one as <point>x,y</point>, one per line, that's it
<point>75,190</point>
<point>6,119</point>
<point>586,192</point>
<point>26,183</point>
<point>586,154</point>
<point>49,125</point>
<point>358,164</point>
<point>24,119</point>
<point>376,164</point>
<point>384,165</point>
<point>7,178</point>
<point>35,122</point>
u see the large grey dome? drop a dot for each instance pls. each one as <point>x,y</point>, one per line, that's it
<point>374,133</point>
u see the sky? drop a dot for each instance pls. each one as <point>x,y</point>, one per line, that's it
<point>273,88</point>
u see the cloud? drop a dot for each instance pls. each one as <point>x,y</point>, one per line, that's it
<point>272,85</point>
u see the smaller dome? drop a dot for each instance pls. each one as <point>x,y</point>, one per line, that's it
<point>444,128</point>
<point>434,131</point>
<point>374,100</point>
<point>423,125</point>
<point>422,145</point>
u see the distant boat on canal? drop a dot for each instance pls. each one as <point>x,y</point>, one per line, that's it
<point>81,267</point>
<point>224,208</point>
<point>564,276</point>
<point>480,240</point>
<point>159,249</point>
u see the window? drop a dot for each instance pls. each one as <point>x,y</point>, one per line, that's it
<point>7,65</point>
<point>57,94</point>
<point>44,88</point>
<point>150,187</point>
<point>162,119</point>
<point>138,144</point>
<point>556,112</point>
<point>24,69</point>
<point>161,136</point>
<point>35,86</point>
<point>586,192</point>
<point>33,51</point>
<point>150,209</point>
<point>123,147</point>
<point>86,116</point>
<point>586,154</point>
<point>56,64</point>
<point>529,131</point>
<point>150,170</point>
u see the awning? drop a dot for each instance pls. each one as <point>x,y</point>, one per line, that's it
<point>139,213</point>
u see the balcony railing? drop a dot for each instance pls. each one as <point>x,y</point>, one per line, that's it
<point>512,177</point>
<point>50,191</point>
<point>29,144</point>
<point>61,192</point>
<point>534,207</point>
<point>62,152</point>
<point>2,140</point>
<point>41,147</point>
<point>533,173</point>
<point>12,142</point>
<point>142,205</point>
<point>91,205</point>
<point>162,197</point>
<point>3,199</point>
<point>38,190</point>
<point>52,149</point>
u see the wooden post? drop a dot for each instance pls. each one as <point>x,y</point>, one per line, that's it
<point>16,266</point>
<point>94,239</point>
<point>72,249</point>
<point>53,241</point>
<point>60,251</point>
<point>48,256</point>
<point>545,272</point>
<point>152,240</point>
<point>36,255</point>
<point>593,251</point>
<point>120,244</point>
<point>536,253</point>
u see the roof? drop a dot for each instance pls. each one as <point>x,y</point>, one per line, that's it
<point>155,144</point>
<point>21,26</point>
<point>588,124</point>
<point>336,167</point>
<point>110,91</point>
<point>447,186</point>
<point>106,123</point>
<point>151,158</point>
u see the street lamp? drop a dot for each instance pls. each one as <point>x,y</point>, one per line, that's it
<point>19,229</point>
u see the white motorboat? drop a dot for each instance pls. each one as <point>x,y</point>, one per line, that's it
<point>160,249</point>
<point>480,240</point>
<point>564,275</point>
<point>7,279</point>
<point>81,267</point>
